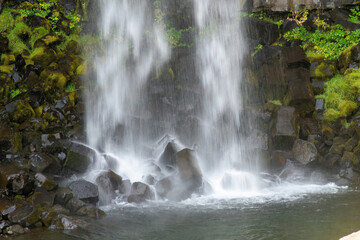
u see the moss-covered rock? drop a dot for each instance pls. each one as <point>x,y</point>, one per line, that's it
<point>53,80</point>
<point>22,112</point>
<point>43,56</point>
<point>6,68</point>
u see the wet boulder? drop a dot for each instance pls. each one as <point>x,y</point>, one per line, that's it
<point>304,151</point>
<point>25,215</point>
<point>42,162</point>
<point>125,187</point>
<point>187,164</point>
<point>90,211</point>
<point>140,192</point>
<point>164,186</point>
<point>6,206</point>
<point>20,183</point>
<point>44,182</point>
<point>167,158</point>
<point>62,222</point>
<point>79,157</point>
<point>42,198</point>
<point>85,191</point>
<point>108,182</point>
<point>63,196</point>
<point>6,136</point>
<point>285,129</point>
<point>15,230</point>
<point>74,204</point>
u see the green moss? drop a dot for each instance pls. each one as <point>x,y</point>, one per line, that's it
<point>341,94</point>
<point>43,56</point>
<point>53,80</point>
<point>23,111</point>
<point>7,59</point>
<point>314,56</point>
<point>17,142</point>
<point>325,70</point>
<point>37,34</point>
<point>6,68</point>
<point>6,20</point>
<point>20,31</point>
<point>347,108</point>
<point>82,69</point>
<point>331,115</point>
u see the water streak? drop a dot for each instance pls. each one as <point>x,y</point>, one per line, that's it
<point>220,56</point>
<point>134,45</point>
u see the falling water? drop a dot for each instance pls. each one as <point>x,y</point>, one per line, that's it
<point>134,45</point>
<point>220,56</point>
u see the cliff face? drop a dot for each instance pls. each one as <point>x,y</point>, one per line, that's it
<point>288,5</point>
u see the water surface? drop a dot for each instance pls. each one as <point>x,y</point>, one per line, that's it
<point>307,212</point>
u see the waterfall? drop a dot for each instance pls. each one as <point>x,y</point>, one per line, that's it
<point>134,45</point>
<point>220,52</point>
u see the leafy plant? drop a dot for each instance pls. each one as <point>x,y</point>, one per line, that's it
<point>257,49</point>
<point>300,16</point>
<point>355,15</point>
<point>174,36</point>
<point>329,43</point>
<point>70,88</point>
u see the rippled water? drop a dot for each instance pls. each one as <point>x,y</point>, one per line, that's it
<point>293,212</point>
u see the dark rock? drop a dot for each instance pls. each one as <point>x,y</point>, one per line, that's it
<point>6,136</point>
<point>164,186</point>
<point>75,204</point>
<point>6,206</point>
<point>125,187</point>
<point>338,146</point>
<point>42,199</point>
<point>288,25</point>
<point>300,94</point>
<point>44,163</point>
<point>108,182</point>
<point>270,76</point>
<point>60,209</point>
<point>266,33</point>
<point>187,164</point>
<point>4,43</point>
<point>295,57</point>
<point>79,157</point>
<point>45,183</point>
<point>279,159</point>
<point>304,151</point>
<point>14,230</point>
<point>140,192</point>
<point>68,5</point>
<point>91,212</point>
<point>20,184</point>
<point>85,191</point>
<point>62,222</point>
<point>349,159</point>
<point>47,217</point>
<point>319,105</point>
<point>26,215</point>
<point>167,158</point>
<point>19,64</point>
<point>351,144</point>
<point>258,140</point>
<point>63,195</point>
<point>285,129</point>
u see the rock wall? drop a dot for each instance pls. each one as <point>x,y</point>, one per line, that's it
<point>288,5</point>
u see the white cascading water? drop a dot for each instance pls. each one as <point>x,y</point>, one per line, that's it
<point>220,55</point>
<point>133,47</point>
